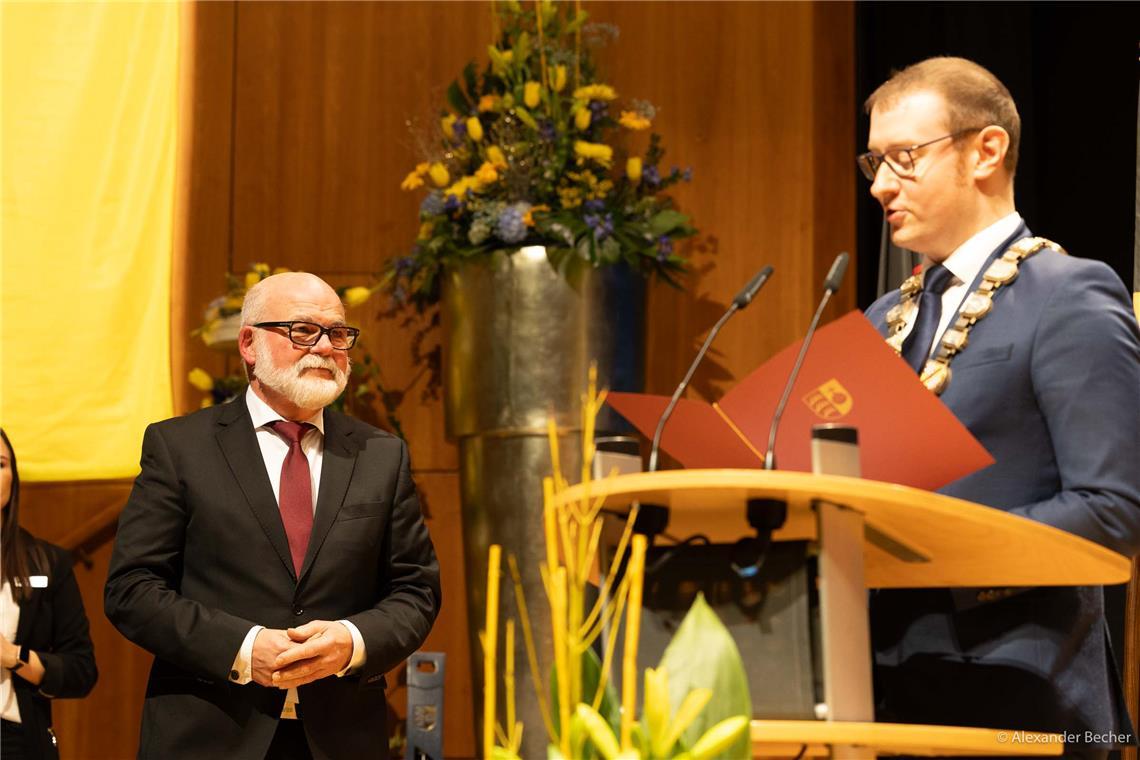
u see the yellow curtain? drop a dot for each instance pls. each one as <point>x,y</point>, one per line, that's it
<point>89,125</point>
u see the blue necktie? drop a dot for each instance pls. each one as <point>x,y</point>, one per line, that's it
<point>916,347</point>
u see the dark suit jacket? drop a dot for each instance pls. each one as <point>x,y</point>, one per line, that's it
<point>1050,385</point>
<point>53,625</point>
<point>201,556</point>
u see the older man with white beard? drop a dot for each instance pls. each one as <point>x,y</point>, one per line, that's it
<point>273,555</point>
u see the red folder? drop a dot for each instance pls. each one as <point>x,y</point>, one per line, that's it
<point>850,377</point>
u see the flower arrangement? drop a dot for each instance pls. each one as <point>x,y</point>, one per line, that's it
<point>583,716</point>
<point>527,153</point>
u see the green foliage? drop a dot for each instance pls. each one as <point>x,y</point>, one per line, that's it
<point>702,655</point>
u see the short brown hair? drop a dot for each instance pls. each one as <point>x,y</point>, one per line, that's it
<point>974,97</point>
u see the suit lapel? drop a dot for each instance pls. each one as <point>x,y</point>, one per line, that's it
<point>337,465</point>
<point>239,445</point>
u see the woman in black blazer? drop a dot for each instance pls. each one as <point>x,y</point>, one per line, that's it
<point>44,640</point>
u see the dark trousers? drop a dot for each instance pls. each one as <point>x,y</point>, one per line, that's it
<point>12,745</point>
<point>289,742</point>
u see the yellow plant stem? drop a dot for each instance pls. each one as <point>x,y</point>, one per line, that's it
<point>510,682</point>
<point>550,523</point>
<point>632,631</point>
<point>557,594</point>
<point>531,650</point>
<point>611,640</point>
<point>622,542</point>
<point>490,646</point>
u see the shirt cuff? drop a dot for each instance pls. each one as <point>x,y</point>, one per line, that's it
<point>358,654</point>
<point>242,670</point>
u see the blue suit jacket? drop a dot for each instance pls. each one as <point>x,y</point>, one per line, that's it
<point>1050,385</point>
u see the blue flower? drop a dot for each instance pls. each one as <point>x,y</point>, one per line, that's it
<point>687,175</point>
<point>432,204</point>
<point>510,227</point>
<point>547,131</point>
<point>594,205</point>
<point>459,129</point>
<point>404,264</point>
<point>599,109</point>
<point>650,176</point>
<point>603,226</point>
<point>451,204</point>
<point>664,248</point>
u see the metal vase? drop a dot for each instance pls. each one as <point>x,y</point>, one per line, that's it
<point>518,341</point>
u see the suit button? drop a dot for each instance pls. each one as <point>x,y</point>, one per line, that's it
<point>298,611</point>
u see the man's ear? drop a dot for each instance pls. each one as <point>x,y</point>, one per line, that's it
<point>991,145</point>
<point>245,345</point>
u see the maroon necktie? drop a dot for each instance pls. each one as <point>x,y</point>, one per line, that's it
<point>295,493</point>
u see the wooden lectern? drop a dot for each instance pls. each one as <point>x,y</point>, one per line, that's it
<point>872,535</point>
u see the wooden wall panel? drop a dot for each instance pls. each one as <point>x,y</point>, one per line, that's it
<point>304,117</point>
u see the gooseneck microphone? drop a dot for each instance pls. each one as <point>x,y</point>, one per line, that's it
<point>830,285</point>
<point>743,298</point>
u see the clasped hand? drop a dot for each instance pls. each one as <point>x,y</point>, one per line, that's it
<point>297,656</point>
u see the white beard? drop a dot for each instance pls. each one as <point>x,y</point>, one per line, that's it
<point>305,392</point>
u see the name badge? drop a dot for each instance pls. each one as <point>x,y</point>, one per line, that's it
<point>37,581</point>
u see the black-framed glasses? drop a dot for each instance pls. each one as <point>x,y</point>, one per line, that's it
<point>901,160</point>
<point>308,334</point>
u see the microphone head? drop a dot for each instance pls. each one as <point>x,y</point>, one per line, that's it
<point>745,296</point>
<point>838,269</point>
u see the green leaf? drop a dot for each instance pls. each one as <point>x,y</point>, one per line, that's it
<point>521,49</point>
<point>591,675</point>
<point>666,221</point>
<point>457,99</point>
<point>471,82</point>
<point>702,654</point>
<point>601,735</point>
<point>577,22</point>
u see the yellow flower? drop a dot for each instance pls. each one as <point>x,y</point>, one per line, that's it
<point>439,175</point>
<point>251,279</point>
<point>422,168</point>
<point>595,92</point>
<point>446,123</point>
<point>633,120</point>
<point>460,188</point>
<point>496,157</point>
<point>488,103</point>
<point>532,94</point>
<point>201,379</point>
<point>486,173</point>
<point>582,119</point>
<point>206,403</point>
<point>233,303</point>
<point>425,231</point>
<point>412,181</point>
<point>281,270</point>
<point>603,154</point>
<point>475,128</point>
<point>633,169</point>
<point>528,217</point>
<point>500,59</point>
<point>261,268</point>
<point>356,296</point>
<point>558,78</point>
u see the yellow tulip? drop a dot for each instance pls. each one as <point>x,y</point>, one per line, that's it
<point>445,123</point>
<point>439,175</point>
<point>475,128</point>
<point>201,379</point>
<point>251,279</point>
<point>356,296</point>
<point>558,78</point>
<point>603,154</point>
<point>496,157</point>
<point>633,120</point>
<point>486,173</point>
<point>595,92</point>
<point>633,169</point>
<point>412,181</point>
<point>532,94</point>
<point>233,303</point>
<point>582,119</point>
<point>261,268</point>
<point>425,231</point>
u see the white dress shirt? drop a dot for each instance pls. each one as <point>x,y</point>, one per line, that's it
<point>273,451</point>
<point>9,623</point>
<point>964,264</point>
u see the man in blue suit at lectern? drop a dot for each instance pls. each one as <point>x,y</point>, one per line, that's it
<point>1038,354</point>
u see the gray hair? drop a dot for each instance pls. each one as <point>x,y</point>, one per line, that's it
<point>253,308</point>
